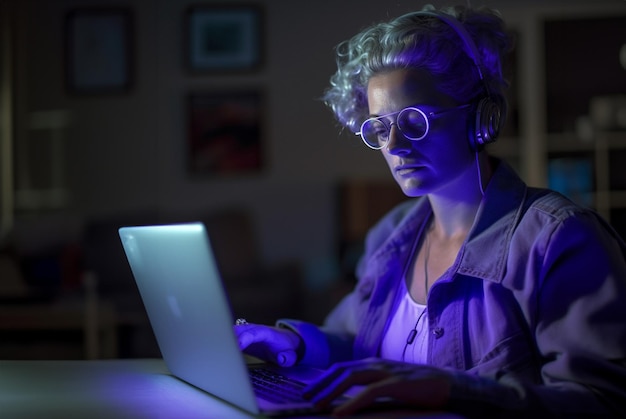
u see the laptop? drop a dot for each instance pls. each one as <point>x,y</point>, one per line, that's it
<point>181,288</point>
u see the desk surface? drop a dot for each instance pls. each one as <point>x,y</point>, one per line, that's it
<point>108,389</point>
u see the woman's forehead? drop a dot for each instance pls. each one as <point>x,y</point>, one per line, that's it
<point>389,91</point>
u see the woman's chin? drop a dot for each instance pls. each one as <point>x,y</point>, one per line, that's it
<point>411,187</point>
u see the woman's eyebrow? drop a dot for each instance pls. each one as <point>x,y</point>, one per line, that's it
<point>386,113</point>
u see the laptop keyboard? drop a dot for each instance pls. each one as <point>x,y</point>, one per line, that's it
<point>276,387</point>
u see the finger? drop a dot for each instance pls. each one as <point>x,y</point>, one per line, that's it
<point>269,344</point>
<point>323,382</point>
<point>335,389</point>
<point>346,381</point>
<point>396,391</point>
<point>241,328</point>
<point>371,394</point>
<point>249,334</point>
<point>286,358</point>
<point>337,370</point>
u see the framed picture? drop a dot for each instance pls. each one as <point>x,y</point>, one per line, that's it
<point>98,50</point>
<point>225,132</point>
<point>224,38</point>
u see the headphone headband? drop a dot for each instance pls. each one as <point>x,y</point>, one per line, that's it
<point>470,46</point>
<point>489,111</point>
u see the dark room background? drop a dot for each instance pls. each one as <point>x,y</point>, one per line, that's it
<point>136,135</point>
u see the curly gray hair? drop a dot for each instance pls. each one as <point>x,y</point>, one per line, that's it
<point>421,41</point>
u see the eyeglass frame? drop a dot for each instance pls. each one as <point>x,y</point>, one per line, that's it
<point>426,116</point>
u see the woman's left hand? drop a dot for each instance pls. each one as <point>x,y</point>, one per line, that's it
<point>408,385</point>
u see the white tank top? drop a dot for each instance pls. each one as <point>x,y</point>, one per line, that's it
<point>409,316</point>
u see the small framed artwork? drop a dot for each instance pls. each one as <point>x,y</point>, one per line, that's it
<point>224,38</point>
<point>98,50</point>
<point>225,132</point>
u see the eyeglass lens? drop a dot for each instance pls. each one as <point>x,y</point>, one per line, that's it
<point>411,121</point>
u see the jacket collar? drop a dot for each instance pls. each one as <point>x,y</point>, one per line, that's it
<point>496,220</point>
<point>483,254</point>
<point>485,251</point>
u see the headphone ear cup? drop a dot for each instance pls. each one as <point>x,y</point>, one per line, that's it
<point>488,122</point>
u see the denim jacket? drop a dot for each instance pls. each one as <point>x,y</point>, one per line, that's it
<point>531,316</point>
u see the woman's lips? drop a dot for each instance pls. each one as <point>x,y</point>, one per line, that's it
<point>406,170</point>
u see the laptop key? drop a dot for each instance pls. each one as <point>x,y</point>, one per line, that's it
<point>276,387</point>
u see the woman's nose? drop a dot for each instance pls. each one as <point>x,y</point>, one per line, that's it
<point>398,143</point>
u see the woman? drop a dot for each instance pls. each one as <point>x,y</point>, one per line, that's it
<point>482,295</point>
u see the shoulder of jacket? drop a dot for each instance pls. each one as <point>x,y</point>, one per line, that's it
<point>552,203</point>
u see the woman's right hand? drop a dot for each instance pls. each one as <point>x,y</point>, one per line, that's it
<point>269,343</point>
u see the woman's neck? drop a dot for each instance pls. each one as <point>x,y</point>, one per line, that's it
<point>455,210</point>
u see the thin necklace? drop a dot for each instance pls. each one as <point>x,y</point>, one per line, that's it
<point>426,258</point>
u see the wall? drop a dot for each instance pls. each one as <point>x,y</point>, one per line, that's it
<point>127,152</point>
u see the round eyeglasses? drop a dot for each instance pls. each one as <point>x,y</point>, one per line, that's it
<point>412,122</point>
